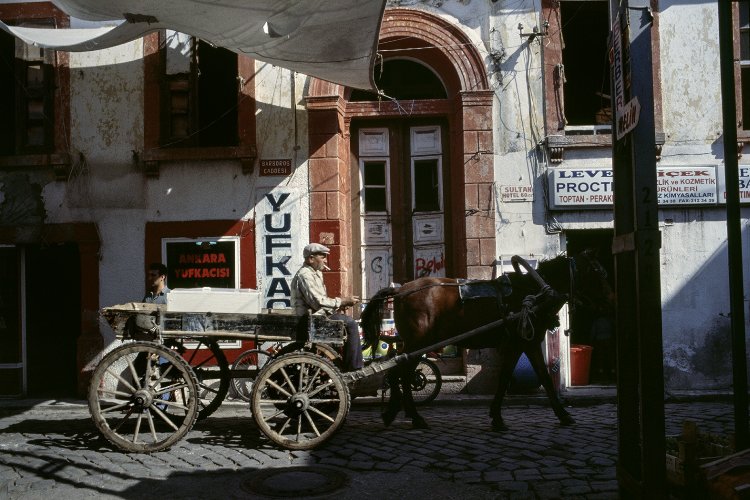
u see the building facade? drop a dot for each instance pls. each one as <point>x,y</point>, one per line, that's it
<point>491,137</point>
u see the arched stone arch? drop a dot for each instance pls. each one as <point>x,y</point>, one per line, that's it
<point>469,113</point>
<point>448,39</point>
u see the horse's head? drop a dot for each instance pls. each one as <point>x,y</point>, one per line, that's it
<point>589,286</point>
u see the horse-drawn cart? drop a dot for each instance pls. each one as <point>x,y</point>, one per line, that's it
<point>144,396</point>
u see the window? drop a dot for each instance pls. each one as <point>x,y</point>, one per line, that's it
<point>403,79</point>
<point>374,186</point>
<point>585,28</point>
<point>577,92</point>
<point>198,103</point>
<point>27,100</point>
<point>201,94</point>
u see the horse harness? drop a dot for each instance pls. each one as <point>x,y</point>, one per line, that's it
<point>547,301</point>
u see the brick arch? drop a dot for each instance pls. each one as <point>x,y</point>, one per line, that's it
<point>462,57</point>
<point>469,113</point>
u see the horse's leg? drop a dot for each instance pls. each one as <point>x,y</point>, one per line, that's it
<point>410,409</point>
<point>395,398</point>
<point>536,358</point>
<point>508,359</point>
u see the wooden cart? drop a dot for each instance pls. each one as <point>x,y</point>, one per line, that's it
<point>144,396</point>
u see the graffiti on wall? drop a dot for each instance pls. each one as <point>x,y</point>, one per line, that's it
<point>429,261</point>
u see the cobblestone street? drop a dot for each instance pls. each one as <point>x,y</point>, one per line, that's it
<point>52,450</point>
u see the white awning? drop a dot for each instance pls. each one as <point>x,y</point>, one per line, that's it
<point>335,40</point>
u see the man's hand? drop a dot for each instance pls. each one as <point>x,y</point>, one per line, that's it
<point>348,302</point>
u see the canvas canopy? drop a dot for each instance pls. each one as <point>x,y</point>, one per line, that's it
<point>334,40</point>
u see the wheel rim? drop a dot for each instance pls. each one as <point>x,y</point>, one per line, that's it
<point>248,363</point>
<point>143,397</point>
<point>426,383</point>
<point>212,372</point>
<point>299,401</point>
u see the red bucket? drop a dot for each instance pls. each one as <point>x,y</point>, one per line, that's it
<point>580,362</point>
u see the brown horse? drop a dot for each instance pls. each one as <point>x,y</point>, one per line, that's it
<point>428,311</point>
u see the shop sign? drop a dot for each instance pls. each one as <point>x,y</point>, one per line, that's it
<point>516,193</point>
<point>744,181</point>
<point>277,219</point>
<point>686,185</point>
<point>201,263</point>
<point>581,187</point>
<point>594,187</point>
<point>275,167</point>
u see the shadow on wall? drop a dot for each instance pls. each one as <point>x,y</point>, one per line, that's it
<point>695,311</point>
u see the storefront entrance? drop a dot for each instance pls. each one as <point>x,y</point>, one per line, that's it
<point>586,328</point>
<point>41,320</point>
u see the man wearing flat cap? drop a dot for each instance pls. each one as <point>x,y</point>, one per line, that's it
<point>309,294</point>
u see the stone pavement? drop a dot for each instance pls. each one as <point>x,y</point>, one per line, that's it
<point>51,450</point>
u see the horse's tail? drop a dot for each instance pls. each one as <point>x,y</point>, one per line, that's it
<point>372,316</point>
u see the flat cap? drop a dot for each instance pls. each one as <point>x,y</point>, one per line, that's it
<point>314,248</point>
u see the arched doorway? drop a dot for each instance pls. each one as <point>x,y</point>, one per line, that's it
<point>393,176</point>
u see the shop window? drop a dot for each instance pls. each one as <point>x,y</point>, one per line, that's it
<point>27,100</point>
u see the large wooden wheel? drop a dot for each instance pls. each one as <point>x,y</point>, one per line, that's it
<point>299,400</point>
<point>143,397</point>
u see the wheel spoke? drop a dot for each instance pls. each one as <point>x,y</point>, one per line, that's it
<point>133,372</point>
<point>137,428</point>
<point>312,424</point>
<point>151,426</point>
<point>286,377</point>
<point>118,377</point>
<point>114,393</point>
<point>321,388</point>
<point>325,416</point>
<point>164,417</point>
<point>116,407</point>
<point>279,388</point>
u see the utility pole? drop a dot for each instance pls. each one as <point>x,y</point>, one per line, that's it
<point>641,467</point>
<point>734,229</point>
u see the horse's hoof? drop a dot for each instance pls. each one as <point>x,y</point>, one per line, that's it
<point>567,420</point>
<point>499,426</point>
<point>419,423</point>
<point>388,418</point>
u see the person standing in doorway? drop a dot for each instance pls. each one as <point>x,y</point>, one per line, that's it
<point>156,284</point>
<point>309,295</point>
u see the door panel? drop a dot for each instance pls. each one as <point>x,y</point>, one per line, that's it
<point>401,203</point>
